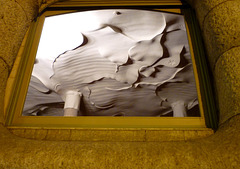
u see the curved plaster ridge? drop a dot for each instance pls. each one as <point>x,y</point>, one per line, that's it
<point>210,10</point>
<point>225,52</point>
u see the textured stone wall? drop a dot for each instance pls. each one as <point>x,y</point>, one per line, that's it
<point>113,134</point>
<point>15,17</point>
<point>220,151</point>
<point>219,21</point>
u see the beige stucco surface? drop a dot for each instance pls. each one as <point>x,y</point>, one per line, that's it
<point>113,134</point>
<point>4,75</point>
<point>219,22</point>
<point>203,7</point>
<point>228,83</point>
<point>221,30</point>
<point>217,151</point>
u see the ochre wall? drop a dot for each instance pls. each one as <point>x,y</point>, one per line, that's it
<point>220,23</point>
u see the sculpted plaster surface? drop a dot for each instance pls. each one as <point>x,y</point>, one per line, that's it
<point>120,60</point>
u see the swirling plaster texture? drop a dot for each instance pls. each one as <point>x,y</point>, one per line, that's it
<point>221,150</point>
<point>123,63</point>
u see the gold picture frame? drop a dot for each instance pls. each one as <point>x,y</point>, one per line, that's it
<point>18,82</point>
